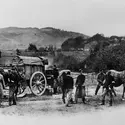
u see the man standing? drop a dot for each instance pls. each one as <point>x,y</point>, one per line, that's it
<point>107,89</point>
<point>80,87</point>
<point>13,86</point>
<point>55,74</point>
<point>62,81</point>
<point>68,86</point>
<point>100,80</point>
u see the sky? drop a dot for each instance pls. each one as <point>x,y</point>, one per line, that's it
<point>85,16</point>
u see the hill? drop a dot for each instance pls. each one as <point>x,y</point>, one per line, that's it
<point>14,37</point>
<point>97,41</point>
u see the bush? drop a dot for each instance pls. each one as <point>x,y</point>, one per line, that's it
<point>66,62</point>
<point>32,47</point>
<point>110,58</point>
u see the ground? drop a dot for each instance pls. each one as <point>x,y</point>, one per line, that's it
<point>51,110</point>
<point>49,105</point>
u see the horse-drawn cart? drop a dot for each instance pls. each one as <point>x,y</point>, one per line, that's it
<point>33,71</point>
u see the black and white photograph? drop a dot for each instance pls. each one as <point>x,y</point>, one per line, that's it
<point>62,62</point>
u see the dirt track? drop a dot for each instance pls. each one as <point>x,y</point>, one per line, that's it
<point>50,105</point>
<point>50,110</point>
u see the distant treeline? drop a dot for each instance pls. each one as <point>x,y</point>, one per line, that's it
<point>32,50</point>
<point>97,40</point>
<point>103,53</point>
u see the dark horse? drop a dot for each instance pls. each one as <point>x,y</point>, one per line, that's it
<point>118,79</point>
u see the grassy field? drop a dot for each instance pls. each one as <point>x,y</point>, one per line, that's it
<point>79,55</point>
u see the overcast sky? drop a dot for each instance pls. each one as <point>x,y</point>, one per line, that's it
<point>85,16</point>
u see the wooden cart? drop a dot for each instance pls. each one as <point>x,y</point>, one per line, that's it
<point>33,69</point>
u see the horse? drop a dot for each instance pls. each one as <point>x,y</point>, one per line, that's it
<point>118,79</point>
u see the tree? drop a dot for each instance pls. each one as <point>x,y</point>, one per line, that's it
<point>41,49</point>
<point>18,52</point>
<point>32,47</point>
<point>110,58</point>
<point>50,48</point>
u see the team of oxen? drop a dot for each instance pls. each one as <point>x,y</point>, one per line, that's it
<point>108,80</point>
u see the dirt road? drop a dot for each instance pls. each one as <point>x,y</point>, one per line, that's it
<point>49,110</point>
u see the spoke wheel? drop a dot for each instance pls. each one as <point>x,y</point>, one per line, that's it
<point>38,83</point>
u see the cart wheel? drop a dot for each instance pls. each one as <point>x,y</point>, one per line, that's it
<point>38,83</point>
<point>22,87</point>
